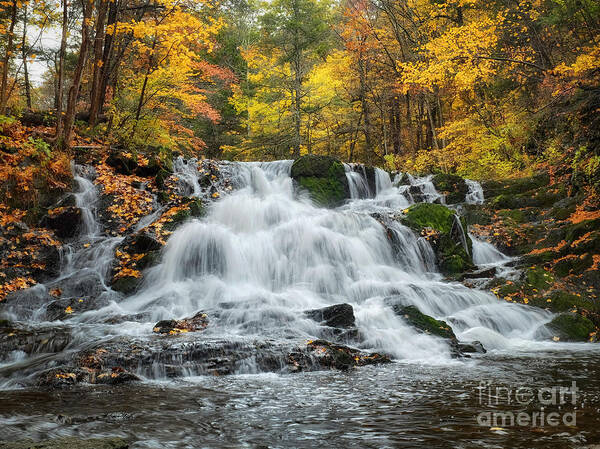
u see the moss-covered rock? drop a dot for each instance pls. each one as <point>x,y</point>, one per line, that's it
<point>428,215</point>
<point>453,186</point>
<point>126,284</point>
<point>446,233</point>
<point>323,177</point>
<point>571,327</point>
<point>573,264</point>
<point>424,323</point>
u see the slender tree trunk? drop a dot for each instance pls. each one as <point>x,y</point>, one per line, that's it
<point>98,63</point>
<point>113,12</point>
<point>138,111</point>
<point>24,57</point>
<point>365,108</point>
<point>81,60</point>
<point>297,106</point>
<point>7,57</point>
<point>58,101</point>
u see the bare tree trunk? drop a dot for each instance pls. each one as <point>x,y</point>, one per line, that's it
<point>7,56</point>
<point>98,63</point>
<point>58,101</point>
<point>24,57</point>
<point>74,90</point>
<point>138,111</point>
<point>365,108</point>
<point>113,12</point>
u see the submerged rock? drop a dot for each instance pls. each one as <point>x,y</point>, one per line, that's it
<point>324,177</point>
<point>67,443</point>
<point>196,323</point>
<point>321,354</point>
<point>470,347</point>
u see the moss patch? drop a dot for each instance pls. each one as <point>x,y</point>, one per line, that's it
<point>428,215</point>
<point>571,327</point>
<point>323,177</point>
<point>425,323</point>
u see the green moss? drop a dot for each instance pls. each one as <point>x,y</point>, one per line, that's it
<point>516,215</point>
<point>539,278</point>
<point>424,322</point>
<point>572,327</point>
<point>573,265</point>
<point>562,301</point>
<point>323,177</point>
<point>428,215</point>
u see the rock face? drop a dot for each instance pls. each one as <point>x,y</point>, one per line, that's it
<point>64,221</point>
<point>571,327</point>
<point>446,233</point>
<point>454,187</point>
<point>323,177</point>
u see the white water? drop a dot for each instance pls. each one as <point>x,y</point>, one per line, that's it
<point>475,193</point>
<point>264,255</point>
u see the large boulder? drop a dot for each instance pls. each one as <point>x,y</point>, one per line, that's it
<point>453,186</point>
<point>324,177</point>
<point>571,327</point>
<point>338,315</point>
<point>64,221</point>
<point>446,233</point>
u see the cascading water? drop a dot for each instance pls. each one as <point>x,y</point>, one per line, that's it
<point>475,192</point>
<point>263,255</point>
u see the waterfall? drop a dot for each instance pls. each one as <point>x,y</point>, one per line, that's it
<point>475,192</point>
<point>357,181</point>
<point>262,255</point>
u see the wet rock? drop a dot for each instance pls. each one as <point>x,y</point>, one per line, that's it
<point>471,347</point>
<point>126,284</point>
<point>324,177</point>
<point>446,234</point>
<point>486,273</point>
<point>196,323</point>
<point>571,327</point>
<point>321,354</point>
<point>338,315</point>
<point>32,341</point>
<point>122,164</point>
<point>67,443</point>
<point>65,221</point>
<point>424,323</point>
<point>454,187</point>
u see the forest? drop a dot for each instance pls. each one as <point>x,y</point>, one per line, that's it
<point>483,89</point>
<point>293,223</point>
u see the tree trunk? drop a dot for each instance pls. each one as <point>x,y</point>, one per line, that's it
<point>98,63</point>
<point>365,109</point>
<point>58,101</point>
<point>107,54</point>
<point>7,56</point>
<point>81,60</point>
<point>24,57</point>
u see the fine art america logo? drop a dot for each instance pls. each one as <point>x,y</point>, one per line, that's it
<point>547,406</point>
